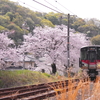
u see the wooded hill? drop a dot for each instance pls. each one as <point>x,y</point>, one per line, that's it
<point>17,20</point>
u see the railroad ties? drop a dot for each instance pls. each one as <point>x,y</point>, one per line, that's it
<point>38,92</point>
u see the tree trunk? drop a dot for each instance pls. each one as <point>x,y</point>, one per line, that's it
<point>54,69</point>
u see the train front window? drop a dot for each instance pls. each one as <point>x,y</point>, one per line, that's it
<point>92,56</point>
<point>84,55</point>
<point>98,54</point>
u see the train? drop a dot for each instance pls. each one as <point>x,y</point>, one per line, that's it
<point>90,60</point>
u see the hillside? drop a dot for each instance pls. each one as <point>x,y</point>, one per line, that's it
<point>17,20</point>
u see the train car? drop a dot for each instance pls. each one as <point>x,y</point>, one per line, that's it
<point>90,60</point>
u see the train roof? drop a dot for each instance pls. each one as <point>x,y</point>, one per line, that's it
<point>90,46</point>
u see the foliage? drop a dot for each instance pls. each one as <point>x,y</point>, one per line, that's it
<point>96,40</point>
<point>18,20</point>
<point>52,17</point>
<point>89,29</point>
<point>31,24</point>
<point>18,32</point>
<point>46,22</point>
<point>65,21</point>
<point>12,12</point>
<point>2,28</point>
<point>77,23</point>
<point>4,20</point>
<point>11,15</point>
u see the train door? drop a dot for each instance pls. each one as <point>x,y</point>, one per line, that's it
<point>92,59</point>
<point>92,65</point>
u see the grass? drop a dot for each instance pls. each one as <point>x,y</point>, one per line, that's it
<point>23,77</point>
<point>68,93</point>
<point>85,90</point>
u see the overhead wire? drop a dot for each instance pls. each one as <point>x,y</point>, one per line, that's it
<point>64,7</point>
<point>46,6</point>
<point>53,5</point>
<point>29,5</point>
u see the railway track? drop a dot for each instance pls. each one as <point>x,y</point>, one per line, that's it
<point>33,92</point>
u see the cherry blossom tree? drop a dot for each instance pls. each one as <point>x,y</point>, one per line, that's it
<point>6,50</point>
<point>49,43</point>
<point>53,42</point>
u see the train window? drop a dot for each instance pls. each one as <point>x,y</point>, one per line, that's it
<point>92,56</point>
<point>84,55</point>
<point>92,49</point>
<point>98,54</point>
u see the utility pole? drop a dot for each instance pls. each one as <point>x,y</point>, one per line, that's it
<point>68,43</point>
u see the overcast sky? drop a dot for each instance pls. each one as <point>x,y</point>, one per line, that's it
<point>81,8</point>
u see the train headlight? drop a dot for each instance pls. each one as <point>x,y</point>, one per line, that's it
<point>84,65</point>
<point>98,64</point>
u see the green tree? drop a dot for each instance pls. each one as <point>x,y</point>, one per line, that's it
<point>65,21</point>
<point>22,11</point>
<point>30,24</point>
<point>77,23</point>
<point>18,32</point>
<point>46,22</point>
<point>39,14</point>
<point>53,18</point>
<point>3,29</point>
<point>36,19</point>
<point>18,20</point>
<point>90,29</point>
<point>8,6</point>
<point>11,15</point>
<point>96,40</point>
<point>5,8</point>
<point>4,20</point>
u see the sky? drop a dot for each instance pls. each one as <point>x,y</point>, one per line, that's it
<point>82,8</point>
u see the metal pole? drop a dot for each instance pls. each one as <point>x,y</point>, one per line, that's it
<point>68,53</point>
<point>24,61</point>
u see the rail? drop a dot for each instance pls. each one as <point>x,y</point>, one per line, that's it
<point>33,92</point>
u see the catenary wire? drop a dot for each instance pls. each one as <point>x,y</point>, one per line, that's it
<point>64,7</point>
<point>29,5</point>
<point>46,6</point>
<point>54,9</point>
<point>53,5</point>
